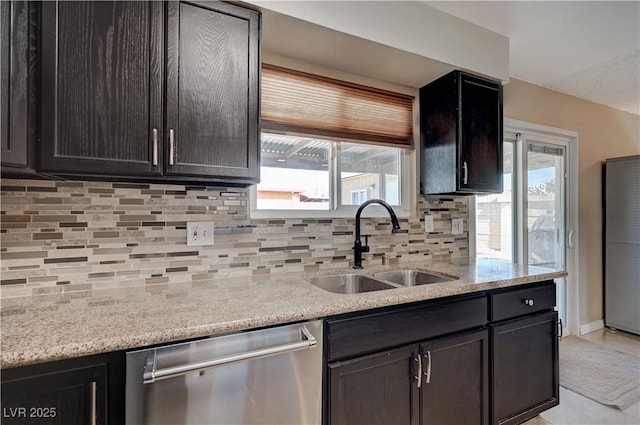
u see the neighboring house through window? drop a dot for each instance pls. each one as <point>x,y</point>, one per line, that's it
<point>358,196</point>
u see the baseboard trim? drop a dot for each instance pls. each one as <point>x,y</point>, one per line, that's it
<point>590,327</point>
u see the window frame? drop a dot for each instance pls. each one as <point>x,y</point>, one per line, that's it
<point>407,175</point>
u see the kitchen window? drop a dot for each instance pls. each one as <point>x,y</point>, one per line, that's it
<point>328,145</point>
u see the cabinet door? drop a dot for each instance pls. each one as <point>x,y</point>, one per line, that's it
<point>101,87</point>
<point>212,90</point>
<point>377,389</point>
<point>480,166</point>
<point>455,381</point>
<point>14,52</point>
<point>75,396</point>
<point>524,368</point>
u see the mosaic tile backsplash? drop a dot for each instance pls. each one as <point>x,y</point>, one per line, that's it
<point>72,236</point>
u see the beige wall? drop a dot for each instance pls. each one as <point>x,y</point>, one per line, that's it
<point>603,133</point>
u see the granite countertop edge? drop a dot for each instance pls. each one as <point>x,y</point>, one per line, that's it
<point>39,329</point>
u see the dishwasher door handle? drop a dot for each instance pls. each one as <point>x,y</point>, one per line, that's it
<point>151,374</point>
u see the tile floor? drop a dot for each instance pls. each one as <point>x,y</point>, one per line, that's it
<point>575,409</point>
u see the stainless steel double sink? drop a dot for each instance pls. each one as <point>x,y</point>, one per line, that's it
<point>353,283</point>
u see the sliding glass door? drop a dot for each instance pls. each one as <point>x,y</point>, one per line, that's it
<point>546,211</point>
<point>526,223</point>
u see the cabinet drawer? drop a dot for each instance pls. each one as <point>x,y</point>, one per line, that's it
<point>518,302</point>
<point>377,331</point>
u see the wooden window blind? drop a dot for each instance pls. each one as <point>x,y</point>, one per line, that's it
<point>305,103</point>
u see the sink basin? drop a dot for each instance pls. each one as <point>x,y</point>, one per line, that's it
<point>411,277</point>
<point>348,283</point>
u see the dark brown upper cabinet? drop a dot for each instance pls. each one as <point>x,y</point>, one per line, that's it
<point>461,135</point>
<point>213,88</point>
<point>15,50</point>
<point>101,87</point>
<point>117,101</point>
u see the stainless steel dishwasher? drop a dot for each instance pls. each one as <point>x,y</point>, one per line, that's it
<point>269,376</point>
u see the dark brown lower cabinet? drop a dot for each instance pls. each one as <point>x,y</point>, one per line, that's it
<point>376,389</point>
<point>80,391</point>
<point>524,367</point>
<point>455,382</point>
<point>487,359</point>
<point>424,363</point>
<point>438,382</point>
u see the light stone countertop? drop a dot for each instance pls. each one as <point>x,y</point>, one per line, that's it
<point>58,326</point>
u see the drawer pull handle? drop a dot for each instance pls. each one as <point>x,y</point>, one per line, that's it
<point>528,302</point>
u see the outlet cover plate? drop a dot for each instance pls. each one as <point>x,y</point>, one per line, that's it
<point>456,226</point>
<point>199,233</point>
<point>428,223</point>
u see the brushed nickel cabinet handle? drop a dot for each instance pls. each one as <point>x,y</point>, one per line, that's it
<point>465,177</point>
<point>93,387</point>
<point>418,377</point>
<point>428,372</point>
<point>171,146</point>
<point>560,330</point>
<point>155,146</point>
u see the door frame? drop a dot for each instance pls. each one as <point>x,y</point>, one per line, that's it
<point>568,139</point>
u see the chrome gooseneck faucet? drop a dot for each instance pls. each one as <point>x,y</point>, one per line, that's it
<point>358,248</point>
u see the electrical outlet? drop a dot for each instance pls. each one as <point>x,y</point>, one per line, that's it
<point>428,223</point>
<point>456,226</point>
<point>199,233</point>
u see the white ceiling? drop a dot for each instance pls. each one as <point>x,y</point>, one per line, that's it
<point>321,46</point>
<point>589,49</point>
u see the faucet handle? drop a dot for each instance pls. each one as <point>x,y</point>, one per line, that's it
<point>365,247</point>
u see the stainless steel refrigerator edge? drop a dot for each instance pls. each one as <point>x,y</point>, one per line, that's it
<point>622,243</point>
<point>268,376</point>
